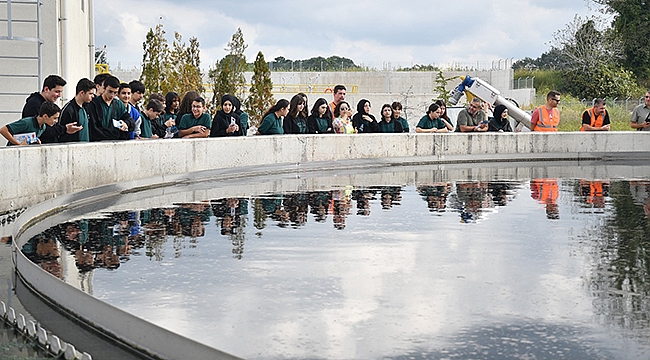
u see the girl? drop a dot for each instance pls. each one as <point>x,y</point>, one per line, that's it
<point>387,123</point>
<point>295,122</point>
<point>397,115</point>
<point>343,122</point>
<point>432,122</point>
<point>272,119</point>
<point>226,122</point>
<point>172,103</point>
<point>363,121</point>
<point>500,122</point>
<point>320,120</point>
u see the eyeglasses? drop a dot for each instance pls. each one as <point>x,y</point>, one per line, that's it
<point>647,97</point>
<point>197,106</point>
<point>344,109</point>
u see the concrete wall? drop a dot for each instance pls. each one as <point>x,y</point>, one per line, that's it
<point>36,173</point>
<point>66,31</point>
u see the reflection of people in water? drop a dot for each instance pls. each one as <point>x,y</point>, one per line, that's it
<point>435,195</point>
<point>341,205</point>
<point>363,198</point>
<point>318,202</point>
<point>594,192</point>
<point>390,196</point>
<point>546,191</point>
<point>499,191</point>
<point>43,250</point>
<point>297,205</point>
<point>473,198</point>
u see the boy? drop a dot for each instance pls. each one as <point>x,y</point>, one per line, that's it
<point>74,113</point>
<point>124,93</point>
<point>47,115</point>
<point>197,124</point>
<point>137,93</point>
<point>149,119</point>
<point>108,119</point>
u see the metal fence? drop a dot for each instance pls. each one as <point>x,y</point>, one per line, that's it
<point>523,83</point>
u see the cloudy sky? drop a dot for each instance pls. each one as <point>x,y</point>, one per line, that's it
<point>371,32</point>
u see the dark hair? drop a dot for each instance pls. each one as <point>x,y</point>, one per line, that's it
<point>498,110</point>
<point>305,110</point>
<point>360,106</point>
<point>293,105</point>
<point>552,94</point>
<point>396,105</point>
<point>137,86</point>
<point>337,109</point>
<point>111,81</point>
<point>230,99</point>
<point>49,109</point>
<point>124,86</point>
<point>281,104</point>
<point>433,107</point>
<point>99,78</point>
<point>339,87</point>
<point>381,114</point>
<point>441,103</point>
<point>84,85</point>
<point>317,104</point>
<point>199,99</point>
<point>53,81</point>
<point>599,101</point>
<point>169,99</point>
<point>155,105</point>
<point>186,103</point>
<point>156,96</point>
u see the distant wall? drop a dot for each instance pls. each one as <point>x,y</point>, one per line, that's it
<point>36,173</point>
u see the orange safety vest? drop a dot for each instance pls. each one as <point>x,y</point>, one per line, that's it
<point>596,121</point>
<point>546,191</point>
<point>546,122</point>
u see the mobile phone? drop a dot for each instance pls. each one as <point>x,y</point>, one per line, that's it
<point>232,120</point>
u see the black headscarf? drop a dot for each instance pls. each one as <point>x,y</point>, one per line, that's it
<point>498,110</point>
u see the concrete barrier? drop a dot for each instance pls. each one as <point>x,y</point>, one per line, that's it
<point>37,173</point>
<point>98,173</point>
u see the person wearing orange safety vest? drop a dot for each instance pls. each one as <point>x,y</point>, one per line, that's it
<point>546,191</point>
<point>596,118</point>
<point>547,117</point>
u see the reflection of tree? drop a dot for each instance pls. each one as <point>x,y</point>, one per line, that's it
<point>620,281</point>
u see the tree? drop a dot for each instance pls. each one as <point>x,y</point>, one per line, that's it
<point>632,27</point>
<point>154,60</point>
<point>441,86</point>
<point>227,76</point>
<point>260,97</point>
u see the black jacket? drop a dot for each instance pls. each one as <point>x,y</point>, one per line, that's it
<point>368,126</point>
<point>312,126</point>
<point>220,123</point>
<point>290,124</point>
<point>32,108</point>
<point>69,115</point>
<point>95,115</point>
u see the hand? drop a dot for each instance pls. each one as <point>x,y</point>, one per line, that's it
<point>154,136</point>
<point>72,128</point>
<point>170,123</point>
<point>199,129</point>
<point>123,126</point>
<point>366,117</point>
<point>605,127</point>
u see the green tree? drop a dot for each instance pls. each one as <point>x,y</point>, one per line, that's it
<point>260,97</point>
<point>154,60</point>
<point>441,86</point>
<point>185,67</point>
<point>227,75</point>
<point>632,26</point>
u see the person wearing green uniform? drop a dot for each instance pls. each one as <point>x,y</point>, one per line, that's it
<point>272,119</point>
<point>432,122</point>
<point>47,115</point>
<point>74,112</point>
<point>149,119</point>
<point>397,115</point>
<point>108,118</point>
<point>320,120</point>
<point>197,124</point>
<point>388,124</point>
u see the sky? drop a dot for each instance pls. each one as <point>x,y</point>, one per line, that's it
<point>370,32</point>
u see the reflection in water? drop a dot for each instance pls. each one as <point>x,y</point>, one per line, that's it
<point>382,270</point>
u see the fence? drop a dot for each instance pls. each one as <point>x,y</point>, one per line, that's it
<point>523,83</point>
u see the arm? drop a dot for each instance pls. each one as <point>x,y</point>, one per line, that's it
<point>265,125</point>
<point>421,130</point>
<point>202,132</point>
<point>447,125</point>
<point>463,121</point>
<point>534,118</point>
<point>4,131</point>
<point>634,124</point>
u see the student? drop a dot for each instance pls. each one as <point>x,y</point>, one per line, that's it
<point>295,122</point>
<point>387,123</point>
<point>99,83</point>
<point>172,103</point>
<point>109,119</point>
<point>226,122</point>
<point>431,122</point>
<point>137,94</point>
<point>74,112</point>
<point>186,104</point>
<point>500,122</point>
<point>443,110</point>
<point>363,120</point>
<point>48,115</point>
<point>124,94</point>
<point>272,119</point>
<point>320,120</point>
<point>149,119</point>
<point>243,116</point>
<point>197,124</point>
<point>51,91</point>
<point>343,122</point>
<point>397,115</point>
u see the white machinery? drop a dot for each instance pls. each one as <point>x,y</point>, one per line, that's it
<point>475,87</point>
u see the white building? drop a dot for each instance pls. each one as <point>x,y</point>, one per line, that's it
<point>39,38</point>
